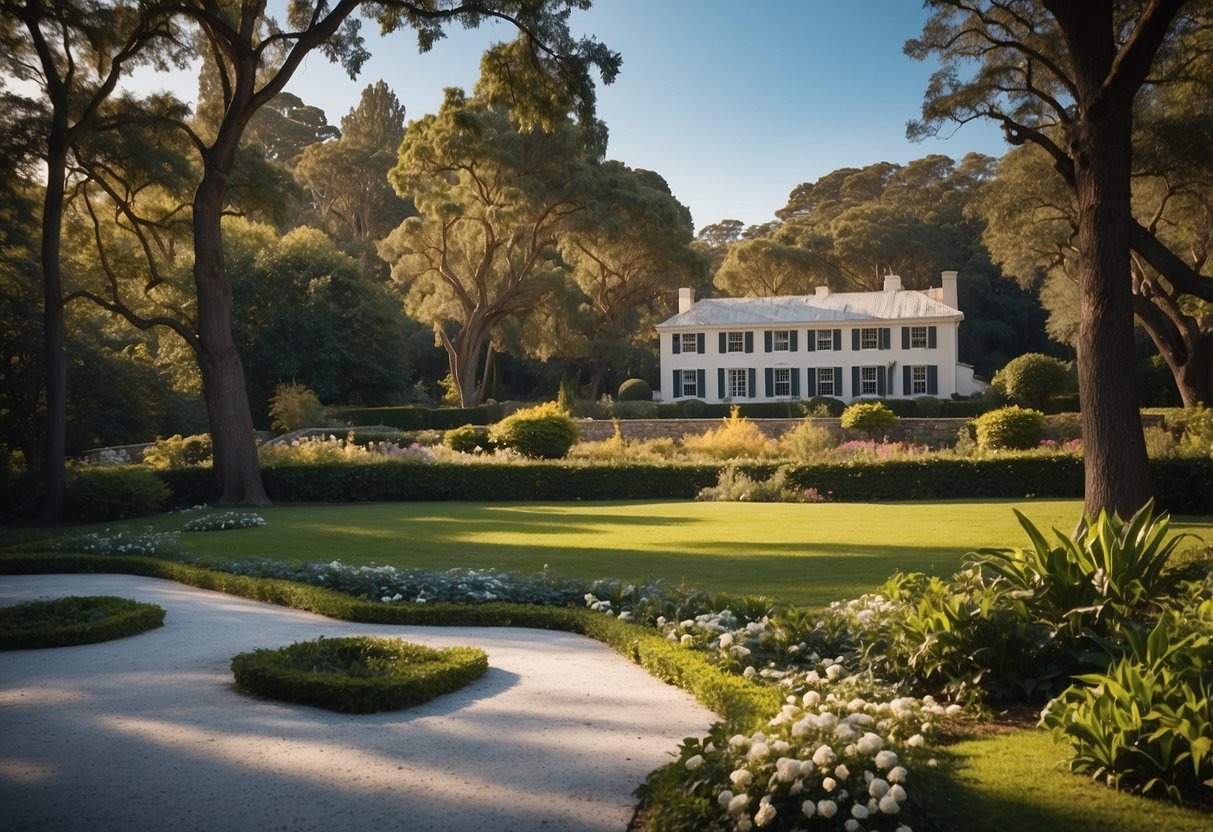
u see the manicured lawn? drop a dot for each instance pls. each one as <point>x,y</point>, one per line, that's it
<point>807,555</point>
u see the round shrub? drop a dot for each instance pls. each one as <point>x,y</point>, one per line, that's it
<point>872,418</point>
<point>295,406</point>
<point>1031,379</point>
<point>359,675</point>
<point>544,432</point>
<point>1009,428</point>
<point>75,620</point>
<point>468,439</point>
<point>694,408</point>
<point>100,494</point>
<point>635,390</point>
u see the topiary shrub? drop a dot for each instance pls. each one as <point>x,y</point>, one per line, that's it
<point>543,432</point>
<point>176,452</point>
<point>295,406</point>
<point>1032,379</point>
<point>1009,428</point>
<point>469,439</point>
<point>694,408</point>
<point>75,620</point>
<point>635,390</point>
<point>870,418</point>
<point>360,675</point>
<point>100,494</point>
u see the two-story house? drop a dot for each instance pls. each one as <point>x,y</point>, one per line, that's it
<point>897,343</point>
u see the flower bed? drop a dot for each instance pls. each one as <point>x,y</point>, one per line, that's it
<point>75,620</point>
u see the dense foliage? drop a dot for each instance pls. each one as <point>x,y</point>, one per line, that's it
<point>74,620</point>
<point>541,432</point>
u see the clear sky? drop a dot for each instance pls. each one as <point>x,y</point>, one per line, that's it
<point>735,103</point>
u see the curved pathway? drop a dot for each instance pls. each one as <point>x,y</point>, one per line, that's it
<point>149,733</point>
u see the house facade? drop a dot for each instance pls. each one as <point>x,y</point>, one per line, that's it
<point>896,343</point>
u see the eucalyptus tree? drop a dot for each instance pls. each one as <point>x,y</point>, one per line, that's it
<point>762,267</point>
<point>1065,76</point>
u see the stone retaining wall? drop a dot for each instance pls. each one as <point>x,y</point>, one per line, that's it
<point>934,433</point>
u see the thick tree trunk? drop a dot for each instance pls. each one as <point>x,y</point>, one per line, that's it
<point>227,405</point>
<point>1117,469</point>
<point>55,452</point>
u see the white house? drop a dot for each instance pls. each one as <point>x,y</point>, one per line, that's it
<point>898,343</point>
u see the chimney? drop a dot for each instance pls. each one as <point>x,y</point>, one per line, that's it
<point>686,299</point>
<point>892,283</point>
<point>823,291</point>
<point>949,290</point>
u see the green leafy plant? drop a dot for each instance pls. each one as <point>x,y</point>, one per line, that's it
<point>870,418</point>
<point>295,406</point>
<point>358,675</point>
<point>736,486</point>
<point>544,432</point>
<point>1032,379</point>
<point>1013,428</point>
<point>178,452</point>
<point>737,437</point>
<point>75,620</point>
<point>635,390</point>
<point>469,439</point>
<point>806,442</point>
<point>100,494</point>
<point>1147,721</point>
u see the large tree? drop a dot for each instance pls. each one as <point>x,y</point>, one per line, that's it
<point>493,201</point>
<point>75,53</point>
<point>1064,75</point>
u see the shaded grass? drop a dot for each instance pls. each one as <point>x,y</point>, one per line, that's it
<point>808,555</point>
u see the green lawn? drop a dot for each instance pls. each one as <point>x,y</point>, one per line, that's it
<point>807,555</point>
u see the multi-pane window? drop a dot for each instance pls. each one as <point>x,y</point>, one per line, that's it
<point>781,341</point>
<point>918,381</point>
<point>869,339</point>
<point>867,381</point>
<point>689,342</point>
<point>783,381</point>
<point>918,339</point>
<point>736,381</point>
<point>827,385</point>
<point>689,387</point>
<point>735,342</point>
<point>825,339</point>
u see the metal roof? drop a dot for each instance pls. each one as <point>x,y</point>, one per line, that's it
<point>837,307</point>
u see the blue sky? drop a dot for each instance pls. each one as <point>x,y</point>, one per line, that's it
<point>733,103</point>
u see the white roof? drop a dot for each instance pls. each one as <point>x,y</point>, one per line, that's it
<point>837,307</point>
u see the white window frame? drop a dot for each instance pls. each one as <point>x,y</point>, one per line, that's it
<point>690,342</point>
<point>918,338</point>
<point>825,340</point>
<point>737,382</point>
<point>827,385</point>
<point>690,384</point>
<point>734,342</point>
<point>781,340</point>
<point>918,381</point>
<point>868,384</point>
<point>783,382</point>
<point>869,338</point>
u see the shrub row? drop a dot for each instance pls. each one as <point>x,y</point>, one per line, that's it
<point>419,417</point>
<point>1181,486</point>
<point>732,697</point>
<point>75,620</point>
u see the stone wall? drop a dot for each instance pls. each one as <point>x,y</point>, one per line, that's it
<point>934,433</point>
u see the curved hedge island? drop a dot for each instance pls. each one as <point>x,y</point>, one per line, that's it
<point>86,619</point>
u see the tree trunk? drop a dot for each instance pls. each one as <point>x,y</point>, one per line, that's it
<point>227,405</point>
<point>54,467</point>
<point>1116,467</point>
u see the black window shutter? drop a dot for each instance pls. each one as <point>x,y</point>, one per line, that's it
<point>881,386</point>
<point>795,382</point>
<point>766,340</point>
<point>677,345</point>
<point>810,382</point>
<point>838,382</point>
<point>702,348</point>
<point>753,383</point>
<point>886,339</point>
<point>837,340</point>
<point>906,382</point>
<point>749,342</point>
<point>856,390</point>
<point>810,341</point>
<point>793,344</point>
<point>932,379</point>
<point>677,384</point>
<point>770,381</point>
<point>724,340</point>
<point>932,338</point>
<point>722,394</point>
<point>855,339</point>
<point>701,379</point>
<point>905,337</point>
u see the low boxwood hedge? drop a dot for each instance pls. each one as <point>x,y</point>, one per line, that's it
<point>418,417</point>
<point>1181,486</point>
<point>358,675</point>
<point>78,619</point>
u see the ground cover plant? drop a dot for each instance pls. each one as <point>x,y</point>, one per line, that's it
<point>359,674</point>
<point>62,622</point>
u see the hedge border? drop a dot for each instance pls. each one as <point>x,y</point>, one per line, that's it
<point>415,674</point>
<point>730,696</point>
<point>121,617</point>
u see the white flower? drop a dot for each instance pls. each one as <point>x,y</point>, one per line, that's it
<point>953,710</point>
<point>897,793</point>
<point>724,799</point>
<point>904,828</point>
<point>686,640</point>
<point>744,823</point>
<point>758,750</point>
<point>852,825</point>
<point>780,746</point>
<point>741,777</point>
<point>828,784</point>
<point>766,813</point>
<point>844,732</point>
<point>869,743</point>
<point>842,772</point>
<point>811,699</point>
<point>827,808</point>
<point>834,671</point>
<point>898,774</point>
<point>787,769</point>
<point>738,803</point>
<point>823,756</point>
<point>889,805</point>
<point>726,641</point>
<point>806,768</point>
<point>859,811</point>
<point>886,760</point>
<point>916,741</point>
<point>877,788</point>
<point>750,672</point>
<point>808,808</point>
<point>738,740</point>
<point>694,762</point>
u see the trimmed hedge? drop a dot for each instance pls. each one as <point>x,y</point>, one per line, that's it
<point>78,619</point>
<point>1182,486</point>
<point>359,674</point>
<point>731,696</point>
<point>416,416</point>
<point>99,494</point>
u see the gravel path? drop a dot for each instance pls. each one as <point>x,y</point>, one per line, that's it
<point>149,733</point>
